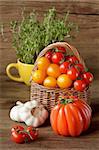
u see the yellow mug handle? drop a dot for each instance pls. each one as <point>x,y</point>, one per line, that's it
<point>13,65</point>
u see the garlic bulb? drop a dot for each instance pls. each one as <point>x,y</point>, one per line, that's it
<point>31,112</point>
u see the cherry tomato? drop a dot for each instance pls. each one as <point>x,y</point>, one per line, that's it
<point>43,63</point>
<point>50,82</point>
<point>73,73</point>
<point>19,135</point>
<point>57,58</point>
<point>88,77</point>
<point>67,57</point>
<point>61,49</point>
<point>48,55</point>
<point>17,128</point>
<point>63,81</point>
<point>64,67</point>
<point>80,67</point>
<point>53,70</point>
<point>79,85</point>
<point>33,132</point>
<point>73,59</point>
<point>38,76</point>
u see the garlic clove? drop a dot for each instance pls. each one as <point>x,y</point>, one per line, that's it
<point>34,103</point>
<point>14,113</point>
<point>41,120</point>
<point>19,103</point>
<point>44,113</point>
<point>28,105</point>
<point>30,121</point>
<point>36,123</point>
<point>24,115</point>
<point>31,104</point>
<point>24,109</point>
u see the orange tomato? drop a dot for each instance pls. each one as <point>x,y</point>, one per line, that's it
<point>63,81</point>
<point>70,117</point>
<point>43,63</point>
<point>53,70</point>
<point>38,76</point>
<point>50,82</point>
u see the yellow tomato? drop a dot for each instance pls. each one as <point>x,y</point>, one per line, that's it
<point>63,81</point>
<point>43,63</point>
<point>50,82</point>
<point>53,70</point>
<point>38,76</point>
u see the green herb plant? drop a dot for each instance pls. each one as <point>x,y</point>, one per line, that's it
<point>30,36</point>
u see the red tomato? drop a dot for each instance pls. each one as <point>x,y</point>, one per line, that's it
<point>73,73</point>
<point>57,58</point>
<point>61,49</point>
<point>33,132</point>
<point>17,128</point>
<point>67,57</point>
<point>88,77</point>
<point>79,85</point>
<point>80,67</point>
<point>48,55</point>
<point>19,135</point>
<point>73,59</point>
<point>64,67</point>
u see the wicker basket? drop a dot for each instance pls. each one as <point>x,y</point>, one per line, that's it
<point>48,96</point>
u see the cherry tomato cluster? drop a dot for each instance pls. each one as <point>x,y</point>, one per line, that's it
<point>57,69</point>
<point>20,135</point>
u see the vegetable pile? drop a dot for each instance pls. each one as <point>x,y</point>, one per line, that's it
<point>57,69</point>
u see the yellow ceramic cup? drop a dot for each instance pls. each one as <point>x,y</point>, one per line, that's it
<point>24,71</point>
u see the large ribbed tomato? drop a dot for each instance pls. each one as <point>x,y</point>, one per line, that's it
<point>70,117</point>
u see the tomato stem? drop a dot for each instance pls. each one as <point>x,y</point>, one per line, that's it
<point>62,61</point>
<point>65,101</point>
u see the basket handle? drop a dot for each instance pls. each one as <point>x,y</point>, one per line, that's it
<point>62,44</point>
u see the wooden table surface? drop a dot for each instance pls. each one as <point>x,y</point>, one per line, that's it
<point>86,14</point>
<point>13,91</point>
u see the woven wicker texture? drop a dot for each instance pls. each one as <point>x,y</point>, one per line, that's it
<point>49,96</point>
